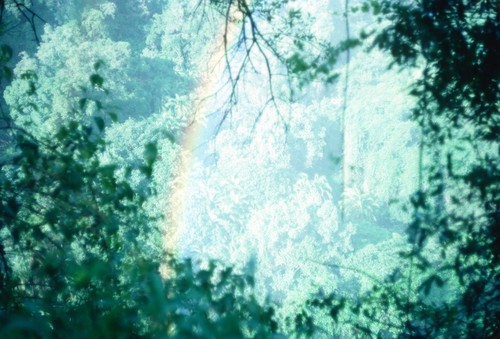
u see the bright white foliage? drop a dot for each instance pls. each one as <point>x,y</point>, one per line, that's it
<point>263,188</point>
<point>63,64</point>
<point>184,33</point>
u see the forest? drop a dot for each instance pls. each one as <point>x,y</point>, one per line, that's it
<point>249,169</point>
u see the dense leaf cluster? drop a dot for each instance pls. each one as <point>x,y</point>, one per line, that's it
<point>74,254</point>
<point>449,282</point>
<point>81,254</point>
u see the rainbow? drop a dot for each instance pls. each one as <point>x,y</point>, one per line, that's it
<point>203,103</point>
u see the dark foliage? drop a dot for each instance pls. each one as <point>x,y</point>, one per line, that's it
<point>76,255</point>
<point>449,281</point>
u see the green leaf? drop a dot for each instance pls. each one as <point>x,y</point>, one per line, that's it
<point>6,53</point>
<point>10,209</point>
<point>72,126</point>
<point>62,133</point>
<point>113,116</point>
<point>82,102</point>
<point>29,75</point>
<point>170,137</point>
<point>8,73</point>
<point>29,149</point>
<point>146,170</point>
<point>126,192</point>
<point>335,310</point>
<point>100,123</point>
<point>150,153</point>
<point>298,64</point>
<point>108,171</point>
<point>96,80</point>
<point>32,89</point>
<point>52,216</point>
<point>98,65</point>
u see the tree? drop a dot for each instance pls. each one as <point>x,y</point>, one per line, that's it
<point>79,243</point>
<point>453,235</point>
<point>76,252</point>
<point>79,249</point>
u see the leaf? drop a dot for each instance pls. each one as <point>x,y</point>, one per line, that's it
<point>51,216</point>
<point>108,171</point>
<point>10,209</point>
<point>298,64</point>
<point>150,153</point>
<point>82,102</point>
<point>100,123</point>
<point>72,126</point>
<point>8,73</point>
<point>32,89</point>
<point>113,116</point>
<point>29,149</point>
<point>331,78</point>
<point>170,137</point>
<point>6,55</point>
<point>376,6</point>
<point>98,65</point>
<point>146,170</point>
<point>335,310</point>
<point>62,133</point>
<point>96,80</point>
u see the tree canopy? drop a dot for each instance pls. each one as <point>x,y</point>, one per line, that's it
<point>348,185</point>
